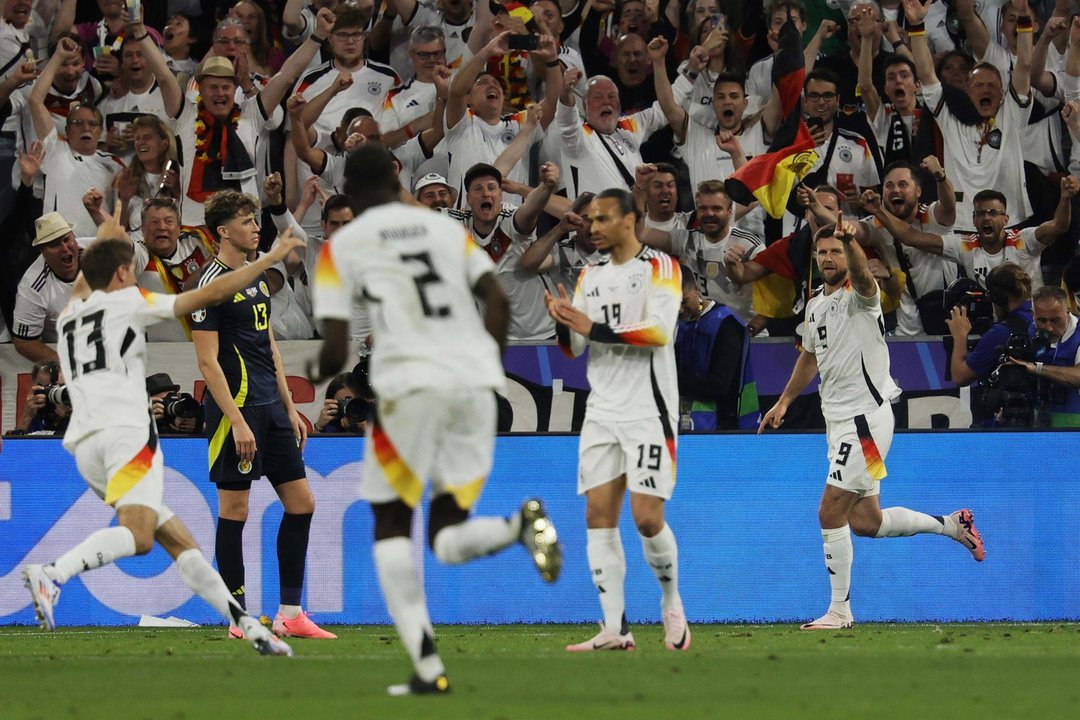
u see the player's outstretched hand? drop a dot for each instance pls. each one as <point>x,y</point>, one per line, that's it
<point>286,243</point>
<point>774,418</point>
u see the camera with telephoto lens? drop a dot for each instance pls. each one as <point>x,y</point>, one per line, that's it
<point>179,406</point>
<point>969,294</point>
<point>358,408</point>
<point>55,395</point>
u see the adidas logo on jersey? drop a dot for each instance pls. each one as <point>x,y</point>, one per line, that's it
<point>413,103</point>
<point>238,297</point>
<point>836,476</point>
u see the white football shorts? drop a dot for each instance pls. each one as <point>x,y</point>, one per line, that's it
<point>639,448</point>
<point>446,434</point>
<point>125,467</point>
<point>857,450</point>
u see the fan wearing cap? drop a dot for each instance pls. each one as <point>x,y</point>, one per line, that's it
<point>221,139</point>
<point>75,162</point>
<point>433,190</point>
<point>168,405</point>
<point>46,286</point>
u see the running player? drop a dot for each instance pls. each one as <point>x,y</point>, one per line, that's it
<point>626,310</point>
<point>253,427</point>
<point>843,339</point>
<point>112,434</point>
<point>435,367</point>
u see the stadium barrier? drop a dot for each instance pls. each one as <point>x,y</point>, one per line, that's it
<point>547,390</point>
<point>744,512</point>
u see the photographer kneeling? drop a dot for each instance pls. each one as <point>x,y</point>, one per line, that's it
<point>1057,357</point>
<point>1009,290</point>
<point>47,409</point>
<point>175,413</point>
<point>348,403</point>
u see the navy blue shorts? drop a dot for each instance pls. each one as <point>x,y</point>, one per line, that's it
<point>277,455</point>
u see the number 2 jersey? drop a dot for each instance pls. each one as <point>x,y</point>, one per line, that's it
<point>102,352</point>
<point>634,307</point>
<point>243,327</point>
<point>846,333</point>
<point>414,270</point>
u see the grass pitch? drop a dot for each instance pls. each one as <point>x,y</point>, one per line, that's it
<point>731,671</point>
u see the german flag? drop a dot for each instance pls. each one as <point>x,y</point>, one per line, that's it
<point>770,178</point>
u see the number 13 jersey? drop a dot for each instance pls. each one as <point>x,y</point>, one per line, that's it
<point>415,271</point>
<point>102,350</point>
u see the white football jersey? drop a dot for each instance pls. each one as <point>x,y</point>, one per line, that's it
<point>102,351</point>
<point>631,372</point>
<point>1020,247</point>
<point>846,333</point>
<point>706,259</point>
<point>414,270</point>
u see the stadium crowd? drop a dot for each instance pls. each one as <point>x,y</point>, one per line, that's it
<point>952,127</point>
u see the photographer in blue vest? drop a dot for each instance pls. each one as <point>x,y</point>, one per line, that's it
<point>1057,356</point>
<point>712,354</point>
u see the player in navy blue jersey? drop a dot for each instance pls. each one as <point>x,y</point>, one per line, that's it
<point>253,427</point>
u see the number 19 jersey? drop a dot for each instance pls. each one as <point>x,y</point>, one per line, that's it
<point>414,270</point>
<point>103,355</point>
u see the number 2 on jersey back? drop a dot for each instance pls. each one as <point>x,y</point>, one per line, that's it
<point>424,281</point>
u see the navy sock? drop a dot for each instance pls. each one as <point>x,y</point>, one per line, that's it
<point>292,542</point>
<point>229,549</point>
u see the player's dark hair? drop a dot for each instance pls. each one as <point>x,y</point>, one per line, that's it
<point>225,205</point>
<point>824,231</point>
<point>987,195</point>
<point>371,177</point>
<point>624,201</point>
<point>334,202</point>
<point>101,259</point>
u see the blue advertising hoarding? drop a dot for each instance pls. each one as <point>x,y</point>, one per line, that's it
<point>744,512</point>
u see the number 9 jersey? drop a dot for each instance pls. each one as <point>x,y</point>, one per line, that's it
<point>414,270</point>
<point>102,352</point>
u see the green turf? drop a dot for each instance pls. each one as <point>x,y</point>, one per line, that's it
<point>731,671</point>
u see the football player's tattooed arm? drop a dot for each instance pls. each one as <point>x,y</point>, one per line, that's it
<point>662,312</point>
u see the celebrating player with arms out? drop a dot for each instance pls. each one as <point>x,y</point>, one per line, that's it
<point>843,340</point>
<point>112,433</point>
<point>626,310</point>
<point>434,369</point>
<point>253,427</point>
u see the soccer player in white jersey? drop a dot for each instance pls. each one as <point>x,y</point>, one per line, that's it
<point>843,341</point>
<point>112,433</point>
<point>434,369</point>
<point>626,310</point>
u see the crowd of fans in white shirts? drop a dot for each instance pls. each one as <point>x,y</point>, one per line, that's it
<point>950,126</point>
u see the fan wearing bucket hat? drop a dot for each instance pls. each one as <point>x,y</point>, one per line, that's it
<point>433,190</point>
<point>74,163</point>
<point>220,138</point>
<point>45,288</point>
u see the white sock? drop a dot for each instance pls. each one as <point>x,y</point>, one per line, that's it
<point>662,554</point>
<point>101,548</point>
<point>476,537</point>
<point>608,565</point>
<point>405,601</point>
<point>901,522</point>
<point>838,557</point>
<point>204,580</point>
<point>289,611</point>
